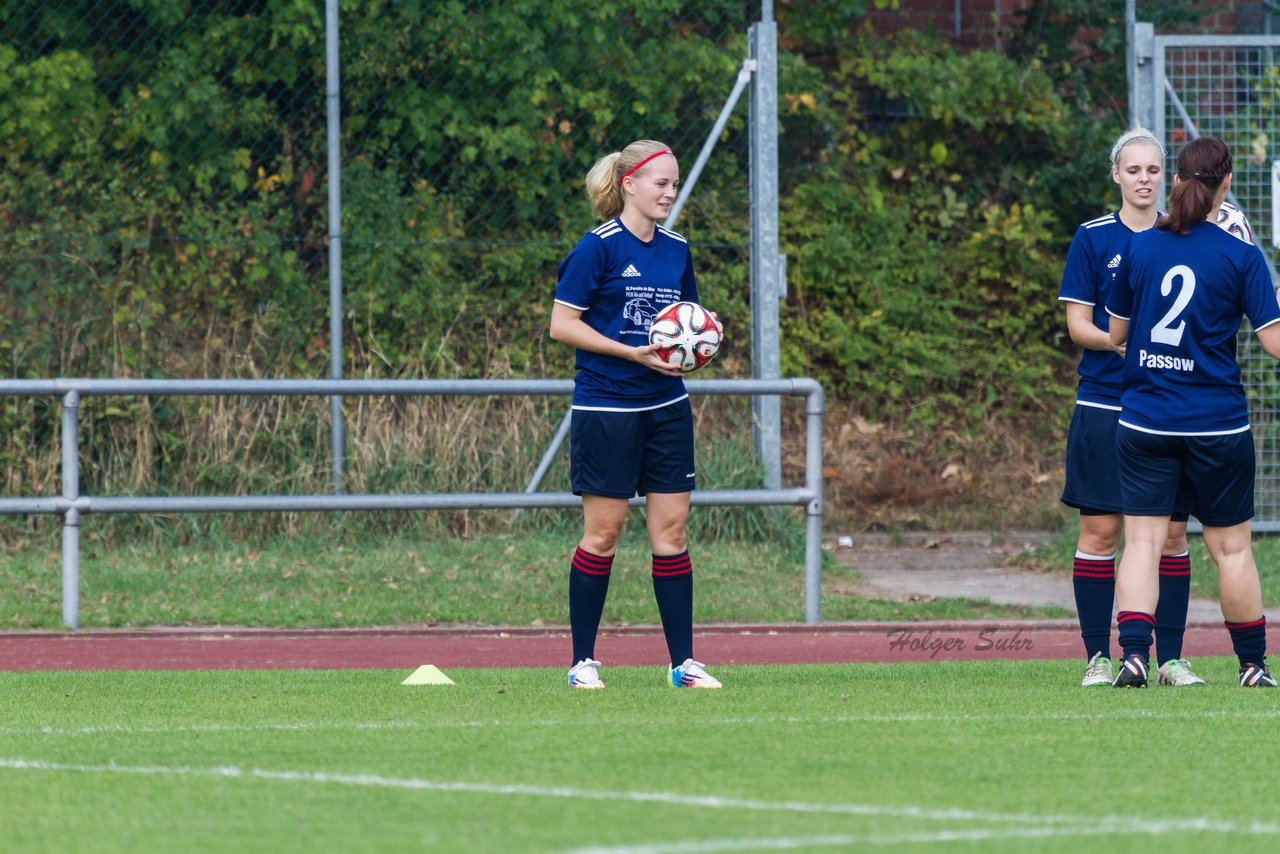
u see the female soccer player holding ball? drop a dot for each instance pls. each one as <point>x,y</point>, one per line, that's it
<point>1176,306</point>
<point>631,429</point>
<point>1092,483</point>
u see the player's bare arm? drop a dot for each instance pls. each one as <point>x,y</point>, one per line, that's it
<point>1119,332</point>
<point>1083,331</point>
<point>568,326</point>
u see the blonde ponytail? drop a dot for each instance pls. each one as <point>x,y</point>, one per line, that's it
<point>604,181</point>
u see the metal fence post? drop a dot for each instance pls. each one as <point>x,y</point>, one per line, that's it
<point>71,515</point>
<point>333,91</point>
<point>813,407</point>
<point>765,263</point>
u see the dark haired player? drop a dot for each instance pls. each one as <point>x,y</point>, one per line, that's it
<point>1177,303</point>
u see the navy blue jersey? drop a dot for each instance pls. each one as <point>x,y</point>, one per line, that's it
<point>619,283</point>
<point>1184,297</point>
<point>1095,254</point>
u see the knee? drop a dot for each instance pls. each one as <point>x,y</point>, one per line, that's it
<point>676,542</point>
<point>1099,535</point>
<point>669,539</point>
<point>602,539</point>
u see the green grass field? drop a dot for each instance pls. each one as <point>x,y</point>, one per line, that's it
<point>974,757</point>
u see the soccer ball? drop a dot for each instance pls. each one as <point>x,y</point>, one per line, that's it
<point>1233,221</point>
<point>685,336</point>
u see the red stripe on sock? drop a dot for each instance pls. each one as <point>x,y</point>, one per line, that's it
<point>1241,627</point>
<point>1126,616</point>
<point>592,564</point>
<point>1099,570</point>
<point>669,565</point>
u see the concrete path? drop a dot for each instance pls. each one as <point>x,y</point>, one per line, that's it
<point>972,566</point>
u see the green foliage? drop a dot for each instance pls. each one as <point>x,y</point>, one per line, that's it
<point>920,263</point>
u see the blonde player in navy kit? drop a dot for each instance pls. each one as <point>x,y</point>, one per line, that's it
<point>632,426</point>
<point>1092,483</point>
<point>1176,306</point>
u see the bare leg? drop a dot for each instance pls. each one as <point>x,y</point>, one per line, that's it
<point>1138,576</point>
<point>602,519</point>
<point>1239,589</point>
<point>672,571</point>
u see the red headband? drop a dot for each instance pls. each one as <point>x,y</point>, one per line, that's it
<point>641,163</point>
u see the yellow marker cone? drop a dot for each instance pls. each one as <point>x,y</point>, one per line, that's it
<point>427,674</point>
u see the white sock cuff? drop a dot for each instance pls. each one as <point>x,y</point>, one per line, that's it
<point>1086,556</point>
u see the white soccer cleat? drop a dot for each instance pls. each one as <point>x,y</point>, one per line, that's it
<point>1098,671</point>
<point>691,675</point>
<point>585,674</point>
<point>1177,672</point>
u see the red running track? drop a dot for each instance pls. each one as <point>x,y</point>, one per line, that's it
<point>265,649</point>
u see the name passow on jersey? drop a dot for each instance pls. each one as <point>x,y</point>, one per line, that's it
<point>619,283</point>
<point>1184,297</point>
<point>1092,261</point>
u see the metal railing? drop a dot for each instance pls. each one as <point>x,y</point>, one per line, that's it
<point>71,505</point>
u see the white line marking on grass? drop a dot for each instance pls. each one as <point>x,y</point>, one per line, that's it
<point>906,718</point>
<point>1027,820</point>
<point>712,845</point>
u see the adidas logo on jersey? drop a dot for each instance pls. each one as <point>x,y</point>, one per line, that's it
<point>1113,263</point>
<point>631,272</point>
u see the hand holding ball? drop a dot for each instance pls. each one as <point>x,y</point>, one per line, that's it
<point>685,336</point>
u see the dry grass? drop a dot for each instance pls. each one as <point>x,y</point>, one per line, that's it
<point>883,477</point>
<point>878,476</point>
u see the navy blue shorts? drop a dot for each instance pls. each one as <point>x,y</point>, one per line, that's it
<point>1216,474</point>
<point>621,454</point>
<point>1093,470</point>
<point>1092,479</point>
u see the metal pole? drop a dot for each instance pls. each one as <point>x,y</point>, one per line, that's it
<point>71,517</point>
<point>766,265</point>
<point>337,443</point>
<point>1130,68</point>
<point>813,510</point>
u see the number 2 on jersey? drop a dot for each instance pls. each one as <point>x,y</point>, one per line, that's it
<point>1164,332</point>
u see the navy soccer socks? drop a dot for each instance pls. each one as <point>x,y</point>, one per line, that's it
<point>1135,641</point>
<point>1094,580</point>
<point>1171,610</point>
<point>588,586</point>
<point>1249,640</point>
<point>673,589</point>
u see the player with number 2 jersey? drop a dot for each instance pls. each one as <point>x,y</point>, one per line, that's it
<point>1176,306</point>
